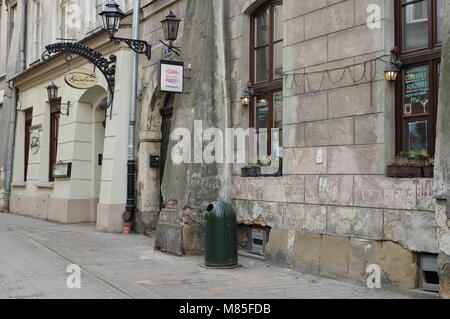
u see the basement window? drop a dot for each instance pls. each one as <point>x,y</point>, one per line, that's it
<point>429,278</point>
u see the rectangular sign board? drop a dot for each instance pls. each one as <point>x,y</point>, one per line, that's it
<point>171,76</point>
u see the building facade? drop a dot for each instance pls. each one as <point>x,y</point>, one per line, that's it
<point>314,74</point>
<point>316,70</point>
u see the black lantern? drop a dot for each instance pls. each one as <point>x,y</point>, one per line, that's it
<point>111,17</point>
<point>170,26</point>
<point>52,92</point>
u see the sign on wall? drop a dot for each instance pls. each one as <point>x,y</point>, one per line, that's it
<point>81,79</point>
<point>171,75</point>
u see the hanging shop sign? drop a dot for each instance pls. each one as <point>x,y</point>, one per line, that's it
<point>81,79</point>
<point>171,76</point>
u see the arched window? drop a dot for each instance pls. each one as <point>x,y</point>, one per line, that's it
<point>266,73</point>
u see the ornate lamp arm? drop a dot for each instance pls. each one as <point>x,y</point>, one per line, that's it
<point>138,46</point>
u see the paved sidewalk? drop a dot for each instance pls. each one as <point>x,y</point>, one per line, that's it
<point>34,255</point>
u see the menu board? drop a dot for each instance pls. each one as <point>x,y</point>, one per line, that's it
<point>262,112</point>
<point>416,86</point>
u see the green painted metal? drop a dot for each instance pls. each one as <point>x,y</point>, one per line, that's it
<point>221,235</point>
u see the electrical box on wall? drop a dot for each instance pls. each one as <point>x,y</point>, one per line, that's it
<point>257,241</point>
<point>154,161</point>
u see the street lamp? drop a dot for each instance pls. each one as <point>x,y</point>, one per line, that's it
<point>170,27</point>
<point>52,92</point>
<point>111,18</point>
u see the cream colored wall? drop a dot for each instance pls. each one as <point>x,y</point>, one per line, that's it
<point>76,144</point>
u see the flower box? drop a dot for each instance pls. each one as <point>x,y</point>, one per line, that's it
<point>251,171</point>
<point>428,171</point>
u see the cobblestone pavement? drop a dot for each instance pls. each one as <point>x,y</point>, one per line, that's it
<point>34,255</point>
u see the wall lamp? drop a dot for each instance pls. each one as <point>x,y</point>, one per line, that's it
<point>111,17</point>
<point>52,92</point>
<point>393,67</point>
<point>170,27</point>
<point>247,95</point>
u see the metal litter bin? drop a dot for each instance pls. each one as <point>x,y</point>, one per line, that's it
<point>221,236</point>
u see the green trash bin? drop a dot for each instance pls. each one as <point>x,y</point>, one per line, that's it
<point>221,240</point>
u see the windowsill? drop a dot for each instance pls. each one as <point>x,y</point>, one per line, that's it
<point>49,185</point>
<point>19,184</point>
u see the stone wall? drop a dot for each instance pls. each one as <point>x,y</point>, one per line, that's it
<point>335,217</point>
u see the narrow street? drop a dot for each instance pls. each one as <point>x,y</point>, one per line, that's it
<point>34,255</point>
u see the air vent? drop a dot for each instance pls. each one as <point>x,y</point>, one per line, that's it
<point>429,278</point>
<point>257,241</point>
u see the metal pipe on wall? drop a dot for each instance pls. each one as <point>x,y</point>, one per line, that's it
<point>131,165</point>
<point>13,114</point>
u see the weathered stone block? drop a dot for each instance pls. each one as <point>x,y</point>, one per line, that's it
<point>277,248</point>
<point>302,161</point>
<point>369,129</point>
<point>330,132</point>
<point>312,51</point>
<point>348,101</point>
<point>444,275</point>
<point>357,222</point>
<point>193,239</point>
<point>329,189</point>
<point>425,200</point>
<point>356,159</point>
<point>415,230</point>
<point>307,252</point>
<point>399,266</point>
<point>168,232</point>
<point>307,218</point>
<point>307,107</point>
<point>362,253</point>
<point>334,257</point>
<point>294,135</point>
<point>382,192</point>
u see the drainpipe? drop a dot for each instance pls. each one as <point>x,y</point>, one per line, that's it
<point>131,165</point>
<point>13,114</point>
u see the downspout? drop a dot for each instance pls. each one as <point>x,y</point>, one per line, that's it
<point>128,215</point>
<point>13,113</point>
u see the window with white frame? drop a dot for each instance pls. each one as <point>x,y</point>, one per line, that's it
<point>37,29</point>
<point>62,20</point>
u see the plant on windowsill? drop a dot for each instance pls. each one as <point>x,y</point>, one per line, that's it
<point>410,165</point>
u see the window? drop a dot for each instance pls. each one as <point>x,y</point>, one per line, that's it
<point>419,36</point>
<point>12,21</point>
<point>62,21</point>
<point>28,123</point>
<point>266,72</point>
<point>54,128</point>
<point>37,29</point>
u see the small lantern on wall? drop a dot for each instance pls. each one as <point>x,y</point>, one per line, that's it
<point>391,72</point>
<point>393,67</point>
<point>52,92</point>
<point>247,95</point>
<point>170,26</point>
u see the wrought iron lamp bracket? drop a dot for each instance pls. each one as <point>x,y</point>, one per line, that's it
<point>138,46</point>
